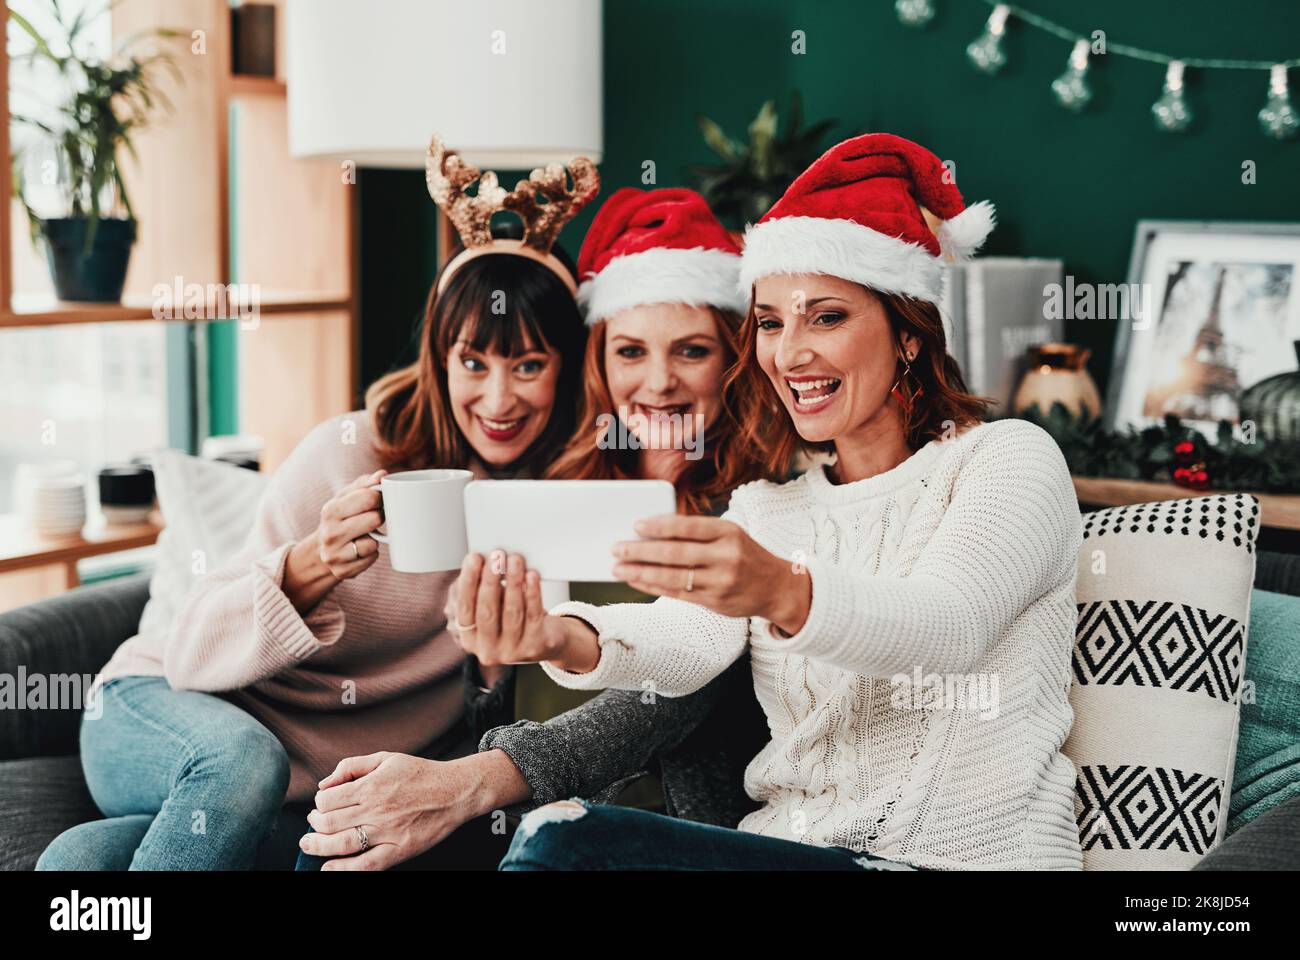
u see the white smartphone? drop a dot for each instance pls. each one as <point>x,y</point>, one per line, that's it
<point>564,529</point>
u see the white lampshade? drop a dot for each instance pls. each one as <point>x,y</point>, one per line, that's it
<point>510,84</point>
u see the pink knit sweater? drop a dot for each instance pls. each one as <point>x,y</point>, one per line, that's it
<point>371,668</point>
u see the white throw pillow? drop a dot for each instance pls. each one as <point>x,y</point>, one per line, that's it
<point>208,508</point>
<point>1160,651</point>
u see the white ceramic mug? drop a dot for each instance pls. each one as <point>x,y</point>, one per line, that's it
<point>424,511</point>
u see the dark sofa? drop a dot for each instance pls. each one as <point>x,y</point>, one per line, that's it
<point>42,792</point>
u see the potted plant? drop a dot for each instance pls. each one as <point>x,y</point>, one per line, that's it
<point>107,102</point>
<point>753,175</point>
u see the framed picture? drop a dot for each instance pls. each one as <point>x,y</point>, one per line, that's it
<point>1213,308</point>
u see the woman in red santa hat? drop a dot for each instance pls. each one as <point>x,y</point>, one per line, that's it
<point>659,292</point>
<point>935,556</point>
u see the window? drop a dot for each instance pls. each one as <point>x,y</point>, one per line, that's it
<point>91,393</point>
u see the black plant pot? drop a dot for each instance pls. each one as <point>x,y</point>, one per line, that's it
<point>97,274</point>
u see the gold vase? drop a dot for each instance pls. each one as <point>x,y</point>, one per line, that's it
<point>1057,372</point>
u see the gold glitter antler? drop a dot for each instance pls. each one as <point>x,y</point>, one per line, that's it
<point>543,222</point>
<point>447,176</point>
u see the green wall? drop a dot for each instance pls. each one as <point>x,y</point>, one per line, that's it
<point>1066,185</point>
<point>223,335</point>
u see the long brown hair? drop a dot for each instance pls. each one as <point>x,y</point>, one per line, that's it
<point>728,461</point>
<point>410,407</point>
<point>945,402</point>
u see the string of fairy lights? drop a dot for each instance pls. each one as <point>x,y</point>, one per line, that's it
<point>1171,112</point>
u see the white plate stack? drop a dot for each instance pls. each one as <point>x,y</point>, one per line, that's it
<point>51,496</point>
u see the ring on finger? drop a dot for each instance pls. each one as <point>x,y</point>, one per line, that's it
<point>356,553</point>
<point>690,580</point>
<point>362,838</point>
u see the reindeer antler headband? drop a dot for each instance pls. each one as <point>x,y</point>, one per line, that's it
<point>448,177</point>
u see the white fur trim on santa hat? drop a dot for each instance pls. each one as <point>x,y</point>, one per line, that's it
<point>965,233</point>
<point>700,277</point>
<point>840,248</point>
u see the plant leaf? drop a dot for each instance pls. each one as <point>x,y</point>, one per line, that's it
<point>717,139</point>
<point>762,134</point>
<point>31,31</point>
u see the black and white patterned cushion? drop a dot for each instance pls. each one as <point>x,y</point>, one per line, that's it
<point>1160,649</point>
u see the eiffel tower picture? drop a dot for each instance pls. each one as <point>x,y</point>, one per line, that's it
<point>1206,386</point>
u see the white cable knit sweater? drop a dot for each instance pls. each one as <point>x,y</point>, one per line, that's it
<point>959,561</point>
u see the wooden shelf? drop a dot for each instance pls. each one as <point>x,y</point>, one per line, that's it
<point>33,311</point>
<point>23,549</point>
<point>1276,510</point>
<point>244,86</point>
<point>39,311</point>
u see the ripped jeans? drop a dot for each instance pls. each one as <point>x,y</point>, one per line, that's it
<point>577,835</point>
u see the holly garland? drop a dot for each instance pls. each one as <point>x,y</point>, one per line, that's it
<point>1170,453</point>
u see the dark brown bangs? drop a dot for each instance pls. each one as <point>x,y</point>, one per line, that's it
<point>497,307</point>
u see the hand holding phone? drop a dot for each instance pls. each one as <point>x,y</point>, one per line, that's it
<point>501,619</point>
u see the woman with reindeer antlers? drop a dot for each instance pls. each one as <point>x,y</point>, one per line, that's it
<point>243,706</point>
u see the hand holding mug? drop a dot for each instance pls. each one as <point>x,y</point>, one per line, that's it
<point>345,522</point>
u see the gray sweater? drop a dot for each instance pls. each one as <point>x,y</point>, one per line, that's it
<point>697,745</point>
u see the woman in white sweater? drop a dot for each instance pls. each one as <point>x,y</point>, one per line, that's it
<point>909,610</point>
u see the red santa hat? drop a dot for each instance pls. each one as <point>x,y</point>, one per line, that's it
<point>657,246</point>
<point>856,214</point>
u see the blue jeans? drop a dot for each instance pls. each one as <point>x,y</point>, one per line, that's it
<point>590,837</point>
<point>186,781</point>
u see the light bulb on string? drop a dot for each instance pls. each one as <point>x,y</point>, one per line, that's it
<point>985,51</point>
<point>914,13</point>
<point>1171,111</point>
<point>1278,118</point>
<point>1071,87</point>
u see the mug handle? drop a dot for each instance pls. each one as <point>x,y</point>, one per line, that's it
<point>375,534</point>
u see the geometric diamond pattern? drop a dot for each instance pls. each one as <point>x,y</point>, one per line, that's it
<point>1147,808</point>
<point>1155,643</point>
